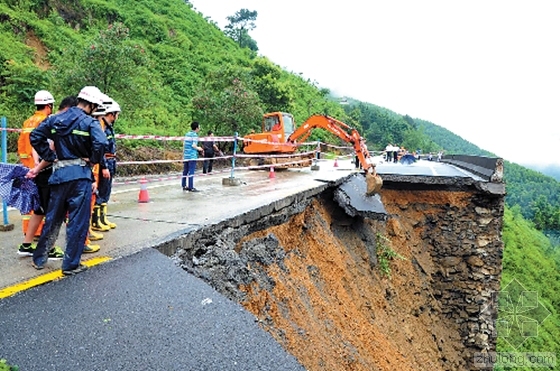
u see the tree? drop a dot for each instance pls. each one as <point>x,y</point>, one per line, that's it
<point>272,89</point>
<point>239,26</point>
<point>226,104</point>
<point>108,61</point>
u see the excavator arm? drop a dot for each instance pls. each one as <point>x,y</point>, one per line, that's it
<point>344,132</point>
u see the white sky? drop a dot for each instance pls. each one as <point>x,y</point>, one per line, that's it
<point>489,70</point>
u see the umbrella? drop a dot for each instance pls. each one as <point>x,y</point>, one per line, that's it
<point>407,159</point>
<point>17,190</point>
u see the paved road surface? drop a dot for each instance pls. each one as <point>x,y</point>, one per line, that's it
<point>136,313</point>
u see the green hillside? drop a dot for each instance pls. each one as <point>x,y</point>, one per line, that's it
<point>532,261</point>
<point>450,142</point>
<point>163,62</point>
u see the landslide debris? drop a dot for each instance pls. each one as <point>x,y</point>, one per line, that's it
<point>312,280</point>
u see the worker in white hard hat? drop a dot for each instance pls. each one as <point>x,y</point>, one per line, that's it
<point>109,166</point>
<point>95,221</point>
<point>79,143</point>
<point>33,222</point>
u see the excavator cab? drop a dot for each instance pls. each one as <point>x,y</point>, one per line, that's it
<point>276,129</point>
<point>279,123</point>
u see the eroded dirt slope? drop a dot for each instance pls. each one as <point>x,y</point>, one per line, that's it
<point>327,302</point>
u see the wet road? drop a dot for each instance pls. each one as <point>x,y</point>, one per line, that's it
<point>136,313</point>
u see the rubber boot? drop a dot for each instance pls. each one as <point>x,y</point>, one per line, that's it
<point>94,236</point>
<point>90,248</point>
<point>104,217</point>
<point>96,224</point>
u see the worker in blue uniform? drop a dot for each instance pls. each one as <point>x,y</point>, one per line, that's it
<point>109,167</point>
<point>79,143</point>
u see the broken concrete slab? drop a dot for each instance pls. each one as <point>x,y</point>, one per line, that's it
<point>351,196</point>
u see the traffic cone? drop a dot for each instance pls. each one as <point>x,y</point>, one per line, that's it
<point>143,195</point>
<point>271,174</point>
<point>335,162</point>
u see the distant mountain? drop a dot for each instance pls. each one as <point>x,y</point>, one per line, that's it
<point>551,170</point>
<point>524,184</point>
<point>449,141</point>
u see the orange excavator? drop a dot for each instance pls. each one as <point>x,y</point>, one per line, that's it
<point>280,136</point>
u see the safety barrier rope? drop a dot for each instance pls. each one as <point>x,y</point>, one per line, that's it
<point>317,144</point>
<point>206,139</point>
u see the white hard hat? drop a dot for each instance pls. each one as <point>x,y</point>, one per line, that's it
<point>100,111</point>
<point>113,107</point>
<point>43,97</point>
<point>102,108</point>
<point>91,94</point>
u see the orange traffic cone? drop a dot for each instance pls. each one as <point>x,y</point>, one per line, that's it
<point>335,162</point>
<point>271,174</point>
<point>143,195</point>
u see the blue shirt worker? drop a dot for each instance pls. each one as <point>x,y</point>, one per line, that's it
<point>190,154</point>
<point>79,142</point>
<point>109,166</point>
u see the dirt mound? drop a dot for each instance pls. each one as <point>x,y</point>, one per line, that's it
<point>168,160</point>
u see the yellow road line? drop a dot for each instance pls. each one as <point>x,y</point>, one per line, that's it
<point>44,278</point>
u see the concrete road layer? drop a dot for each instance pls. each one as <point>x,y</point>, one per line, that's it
<point>140,312</point>
<point>170,211</point>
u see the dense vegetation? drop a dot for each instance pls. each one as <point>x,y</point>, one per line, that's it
<point>531,260</point>
<point>164,63</point>
<point>167,65</point>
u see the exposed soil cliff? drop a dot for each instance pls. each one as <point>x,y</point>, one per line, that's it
<point>313,280</point>
<point>334,310</point>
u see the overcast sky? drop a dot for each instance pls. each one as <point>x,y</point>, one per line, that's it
<point>486,70</point>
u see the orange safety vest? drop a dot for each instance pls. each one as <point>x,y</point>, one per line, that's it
<point>25,151</point>
<point>96,167</point>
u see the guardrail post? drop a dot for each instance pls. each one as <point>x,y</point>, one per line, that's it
<point>6,226</point>
<point>232,181</point>
<point>315,161</point>
<point>234,154</point>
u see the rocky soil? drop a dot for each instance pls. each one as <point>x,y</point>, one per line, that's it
<point>313,280</point>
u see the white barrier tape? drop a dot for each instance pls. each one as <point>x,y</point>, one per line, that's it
<point>271,165</point>
<point>213,158</point>
<point>175,177</point>
<point>346,156</point>
<point>264,141</point>
<point>177,138</point>
<point>215,172</point>
<point>338,147</point>
<point>241,155</point>
<point>205,139</point>
<point>171,161</point>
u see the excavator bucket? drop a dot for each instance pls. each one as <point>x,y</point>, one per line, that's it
<point>373,183</point>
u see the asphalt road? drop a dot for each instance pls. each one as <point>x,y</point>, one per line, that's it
<point>140,312</point>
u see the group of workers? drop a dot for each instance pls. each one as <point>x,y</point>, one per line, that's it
<point>393,153</point>
<point>71,155</point>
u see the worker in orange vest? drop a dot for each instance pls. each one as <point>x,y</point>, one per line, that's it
<point>33,222</point>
